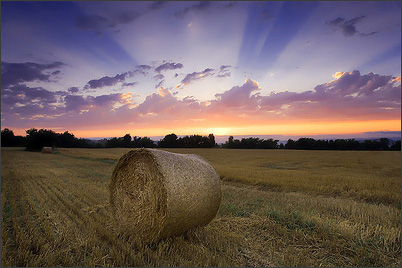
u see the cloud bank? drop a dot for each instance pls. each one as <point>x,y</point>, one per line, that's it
<point>350,96</point>
<point>15,73</point>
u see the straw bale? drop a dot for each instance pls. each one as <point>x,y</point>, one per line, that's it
<point>155,194</point>
<point>47,150</point>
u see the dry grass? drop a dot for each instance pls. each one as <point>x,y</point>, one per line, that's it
<point>362,175</point>
<point>279,208</point>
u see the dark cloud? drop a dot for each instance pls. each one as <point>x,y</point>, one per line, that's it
<point>230,4</point>
<point>25,94</point>
<point>224,68</point>
<point>76,103</point>
<point>56,72</point>
<point>158,4</point>
<point>98,22</point>
<point>107,101</point>
<point>142,69</point>
<point>197,76</point>
<point>111,81</point>
<point>159,84</point>
<point>224,71</point>
<point>168,66</point>
<point>201,6</point>
<point>129,84</point>
<point>348,27</point>
<point>16,73</point>
<point>204,6</point>
<point>93,22</point>
<point>38,102</point>
<point>26,101</point>
<point>159,76</point>
<point>73,90</point>
<point>228,74</point>
<point>266,16</point>
<point>107,81</point>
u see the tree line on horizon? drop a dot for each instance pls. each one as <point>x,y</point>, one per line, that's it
<point>36,139</point>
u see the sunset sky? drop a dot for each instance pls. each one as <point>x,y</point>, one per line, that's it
<point>104,69</point>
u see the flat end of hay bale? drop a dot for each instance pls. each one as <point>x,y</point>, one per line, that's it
<point>138,195</point>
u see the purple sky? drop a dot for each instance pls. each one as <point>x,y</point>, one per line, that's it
<point>242,68</point>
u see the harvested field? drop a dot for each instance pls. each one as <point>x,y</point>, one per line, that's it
<point>279,208</point>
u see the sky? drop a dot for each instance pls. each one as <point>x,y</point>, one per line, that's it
<point>151,68</point>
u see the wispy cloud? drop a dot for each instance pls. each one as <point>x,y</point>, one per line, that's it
<point>189,78</point>
<point>204,6</point>
<point>168,66</point>
<point>111,81</point>
<point>142,69</point>
<point>201,6</point>
<point>98,22</point>
<point>348,28</point>
<point>158,4</point>
<point>131,84</point>
<point>224,71</point>
<point>108,81</point>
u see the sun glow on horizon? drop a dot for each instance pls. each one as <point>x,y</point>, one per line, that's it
<point>305,129</point>
<point>220,131</point>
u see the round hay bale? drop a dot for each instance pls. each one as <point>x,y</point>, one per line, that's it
<point>47,150</point>
<point>155,194</point>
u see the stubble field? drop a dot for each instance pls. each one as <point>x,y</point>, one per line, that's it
<point>279,208</point>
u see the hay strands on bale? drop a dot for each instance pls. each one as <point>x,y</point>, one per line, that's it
<point>47,150</point>
<point>156,194</point>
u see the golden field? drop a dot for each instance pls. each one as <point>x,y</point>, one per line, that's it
<point>279,208</point>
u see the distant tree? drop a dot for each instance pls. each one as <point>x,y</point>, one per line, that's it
<point>269,144</point>
<point>250,143</point>
<point>135,143</point>
<point>211,138</point>
<point>20,141</point>
<point>371,145</point>
<point>290,144</point>
<point>114,142</point>
<point>384,144</point>
<point>38,139</point>
<point>396,146</point>
<point>66,140</point>
<point>231,143</point>
<point>353,144</point>
<point>228,143</point>
<point>146,142</point>
<point>169,141</point>
<point>7,138</point>
<point>127,141</point>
